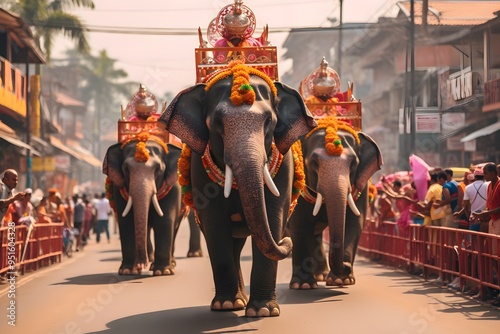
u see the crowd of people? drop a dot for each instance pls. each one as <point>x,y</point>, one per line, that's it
<point>81,215</point>
<point>471,203</point>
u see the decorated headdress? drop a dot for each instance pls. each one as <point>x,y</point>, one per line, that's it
<point>235,21</point>
<point>142,102</point>
<point>322,82</point>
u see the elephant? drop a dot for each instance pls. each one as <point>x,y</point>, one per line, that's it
<point>338,162</point>
<point>236,126</point>
<point>143,183</point>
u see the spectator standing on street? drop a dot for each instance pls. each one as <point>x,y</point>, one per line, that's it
<point>475,199</point>
<point>23,211</point>
<point>87,220</point>
<point>449,198</point>
<point>103,212</point>
<point>492,210</point>
<point>78,218</point>
<point>8,184</point>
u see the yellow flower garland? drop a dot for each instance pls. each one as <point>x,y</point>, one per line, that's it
<point>241,91</point>
<point>141,151</point>
<point>333,143</point>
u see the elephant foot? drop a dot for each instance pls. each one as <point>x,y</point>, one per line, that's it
<point>321,277</point>
<point>164,272</point>
<point>350,280</point>
<point>197,253</point>
<point>303,286</point>
<point>269,309</point>
<point>238,303</point>
<point>333,280</point>
<point>128,271</point>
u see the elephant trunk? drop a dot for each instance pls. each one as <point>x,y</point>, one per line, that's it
<point>248,169</point>
<point>335,188</point>
<point>141,191</point>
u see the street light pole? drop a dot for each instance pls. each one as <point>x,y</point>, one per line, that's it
<point>339,52</point>
<point>412,79</point>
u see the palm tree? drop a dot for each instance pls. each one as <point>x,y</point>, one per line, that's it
<point>49,18</point>
<point>102,87</point>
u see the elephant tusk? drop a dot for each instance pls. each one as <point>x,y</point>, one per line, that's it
<point>352,205</point>
<point>269,182</point>
<point>128,206</point>
<point>156,205</point>
<point>317,205</point>
<point>228,183</point>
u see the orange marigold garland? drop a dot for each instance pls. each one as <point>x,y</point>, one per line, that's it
<point>241,92</point>
<point>184,172</point>
<point>299,182</point>
<point>108,187</point>
<point>333,143</point>
<point>141,150</point>
<point>372,192</point>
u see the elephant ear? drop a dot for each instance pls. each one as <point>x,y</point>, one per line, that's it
<point>112,165</point>
<point>370,160</point>
<point>184,117</point>
<point>294,119</point>
<point>171,160</point>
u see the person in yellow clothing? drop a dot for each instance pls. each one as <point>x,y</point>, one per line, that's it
<point>432,216</point>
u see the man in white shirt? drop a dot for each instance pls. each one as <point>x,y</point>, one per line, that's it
<point>475,198</point>
<point>103,212</point>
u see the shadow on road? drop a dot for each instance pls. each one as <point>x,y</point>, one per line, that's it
<point>184,320</point>
<point>104,279</point>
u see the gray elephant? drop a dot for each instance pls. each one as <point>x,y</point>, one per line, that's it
<point>143,183</point>
<point>239,125</point>
<point>338,162</point>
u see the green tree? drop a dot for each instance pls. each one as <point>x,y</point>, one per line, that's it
<point>48,18</point>
<point>102,88</point>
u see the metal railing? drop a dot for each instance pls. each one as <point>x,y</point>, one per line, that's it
<point>445,252</point>
<point>22,249</point>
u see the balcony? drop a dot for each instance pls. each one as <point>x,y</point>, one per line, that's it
<point>12,88</point>
<point>491,95</point>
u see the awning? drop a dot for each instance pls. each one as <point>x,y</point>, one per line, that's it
<point>492,128</point>
<point>78,152</point>
<point>57,143</point>
<point>19,143</point>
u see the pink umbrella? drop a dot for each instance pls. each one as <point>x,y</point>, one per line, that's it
<point>420,175</point>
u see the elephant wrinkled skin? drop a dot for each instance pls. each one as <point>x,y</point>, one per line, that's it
<point>334,177</point>
<point>241,138</point>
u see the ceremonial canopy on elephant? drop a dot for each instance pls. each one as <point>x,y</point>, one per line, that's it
<point>321,93</point>
<point>141,117</point>
<point>229,37</point>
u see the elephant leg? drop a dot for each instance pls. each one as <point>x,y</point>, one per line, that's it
<point>304,263</point>
<point>127,241</point>
<point>221,250</point>
<point>263,302</point>
<point>194,237</point>
<point>163,235</point>
<point>353,229</point>
<point>322,269</point>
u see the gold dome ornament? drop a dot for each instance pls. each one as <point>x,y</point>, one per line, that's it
<point>323,82</point>
<point>235,21</point>
<point>325,85</point>
<point>142,104</point>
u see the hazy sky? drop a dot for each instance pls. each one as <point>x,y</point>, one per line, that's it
<point>166,63</point>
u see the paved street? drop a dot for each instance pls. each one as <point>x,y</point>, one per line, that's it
<point>85,295</point>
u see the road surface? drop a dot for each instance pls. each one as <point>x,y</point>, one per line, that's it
<point>84,294</point>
